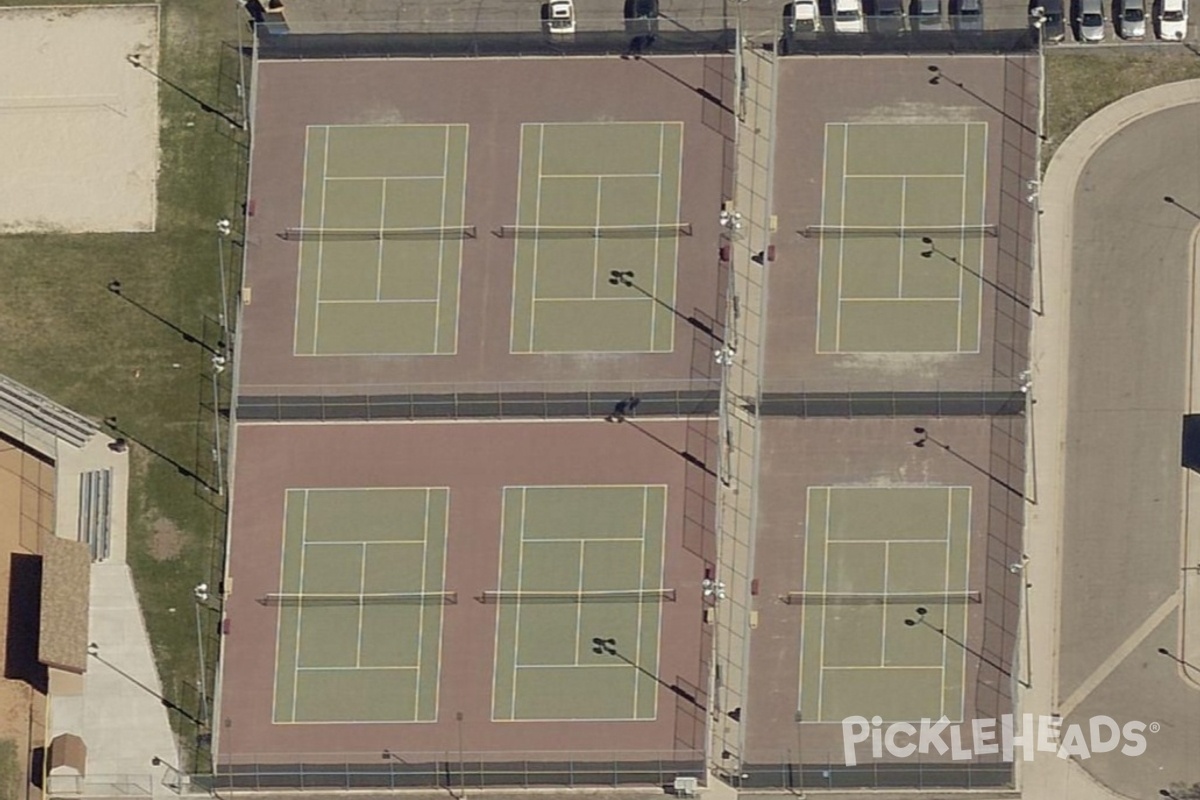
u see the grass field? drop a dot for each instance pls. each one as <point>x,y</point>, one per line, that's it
<point>64,334</point>
<point>1078,86</point>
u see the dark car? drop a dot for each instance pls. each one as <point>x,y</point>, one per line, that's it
<point>1049,14</point>
<point>886,16</point>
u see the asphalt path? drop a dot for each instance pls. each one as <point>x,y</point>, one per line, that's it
<point>1129,332</point>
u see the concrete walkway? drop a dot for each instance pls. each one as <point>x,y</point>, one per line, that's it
<point>1049,778</point>
<point>119,714</point>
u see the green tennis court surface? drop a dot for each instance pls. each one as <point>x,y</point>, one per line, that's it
<point>360,619</point>
<point>381,240</point>
<point>885,188</point>
<point>569,558</point>
<point>594,198</point>
<point>871,557</point>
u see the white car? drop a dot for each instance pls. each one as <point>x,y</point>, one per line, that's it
<point>1173,20</point>
<point>847,16</point>
<point>561,19</point>
<point>803,16</point>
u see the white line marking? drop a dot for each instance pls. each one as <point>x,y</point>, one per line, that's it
<point>596,240</point>
<point>900,254</point>
<point>537,220</point>
<point>824,608</point>
<point>362,590</point>
<point>584,175</point>
<point>387,178</point>
<point>299,609</point>
<point>579,606</point>
<point>520,579</point>
<point>499,608</point>
<point>437,683</point>
<point>300,252</point>
<point>379,254</point>
<point>962,215</point>
<point>837,340</point>
<point>904,299</point>
<point>441,259</point>
<point>421,612</point>
<point>462,215</point>
<point>821,240</point>
<point>355,669</point>
<point>399,301</point>
<point>887,556</point>
<point>320,247</point>
<point>854,175</point>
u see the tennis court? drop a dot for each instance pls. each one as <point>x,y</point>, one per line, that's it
<point>361,603</point>
<point>886,189</point>
<point>381,240</point>
<point>596,237</point>
<point>579,603</point>
<point>873,555</point>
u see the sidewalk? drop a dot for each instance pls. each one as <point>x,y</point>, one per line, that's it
<point>1053,778</point>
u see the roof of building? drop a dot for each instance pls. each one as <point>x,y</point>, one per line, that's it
<point>66,573</point>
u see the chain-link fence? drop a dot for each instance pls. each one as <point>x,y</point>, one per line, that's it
<point>453,770</point>
<point>879,775</point>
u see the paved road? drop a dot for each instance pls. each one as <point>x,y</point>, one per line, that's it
<point>1130,284</point>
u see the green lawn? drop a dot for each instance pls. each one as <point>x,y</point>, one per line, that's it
<point>1078,86</point>
<point>64,334</point>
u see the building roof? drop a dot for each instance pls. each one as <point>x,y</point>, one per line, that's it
<point>66,573</point>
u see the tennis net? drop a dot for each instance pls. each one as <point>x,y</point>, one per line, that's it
<point>899,232</point>
<point>602,596</point>
<point>362,599</point>
<point>879,598</point>
<point>376,234</point>
<point>661,231</point>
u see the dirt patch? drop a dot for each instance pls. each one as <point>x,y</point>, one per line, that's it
<point>166,540</point>
<point>79,108</point>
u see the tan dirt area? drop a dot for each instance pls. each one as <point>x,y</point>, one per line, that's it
<point>26,511</point>
<point>79,120</point>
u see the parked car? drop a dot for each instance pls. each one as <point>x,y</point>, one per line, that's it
<point>1131,19</point>
<point>803,16</point>
<point>560,18</point>
<point>1173,19</point>
<point>847,16</point>
<point>887,16</point>
<point>1047,15</point>
<point>967,15</point>
<point>926,15</point>
<point>1091,21</point>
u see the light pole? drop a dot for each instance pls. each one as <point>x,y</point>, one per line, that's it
<point>200,596</point>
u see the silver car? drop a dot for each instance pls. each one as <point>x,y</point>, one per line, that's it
<point>1131,19</point>
<point>1091,21</point>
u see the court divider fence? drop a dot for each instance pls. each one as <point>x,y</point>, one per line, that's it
<point>452,770</point>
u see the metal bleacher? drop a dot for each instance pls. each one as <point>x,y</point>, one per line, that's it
<point>95,509</point>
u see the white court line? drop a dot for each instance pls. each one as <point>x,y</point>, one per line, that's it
<point>887,567</point>
<point>837,336</point>
<point>905,299</point>
<point>512,304</point>
<point>320,247</point>
<point>662,575</point>
<point>900,254</point>
<point>537,220</point>
<point>641,611</point>
<point>662,135</point>
<point>283,537</point>
<point>380,302</point>
<point>379,253</point>
<point>358,541</point>
<point>300,250</point>
<point>594,300</point>
<point>962,215</point>
<point>874,668</point>
<point>962,700</point>
<point>824,608</point>
<point>854,175</point>
<point>596,240</point>
<point>579,606</point>
<point>539,539</point>
<point>362,590</point>
<point>604,174</point>
<point>821,239</point>
<point>574,666</point>
<point>437,684</point>
<point>675,257</point>
<point>354,669</point>
<point>946,588</point>
<point>499,609</point>
<point>441,260</point>
<point>517,621</point>
<point>386,178</point>
<point>982,217</point>
<point>421,611</point>
<point>300,608</point>
<point>462,212</point>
